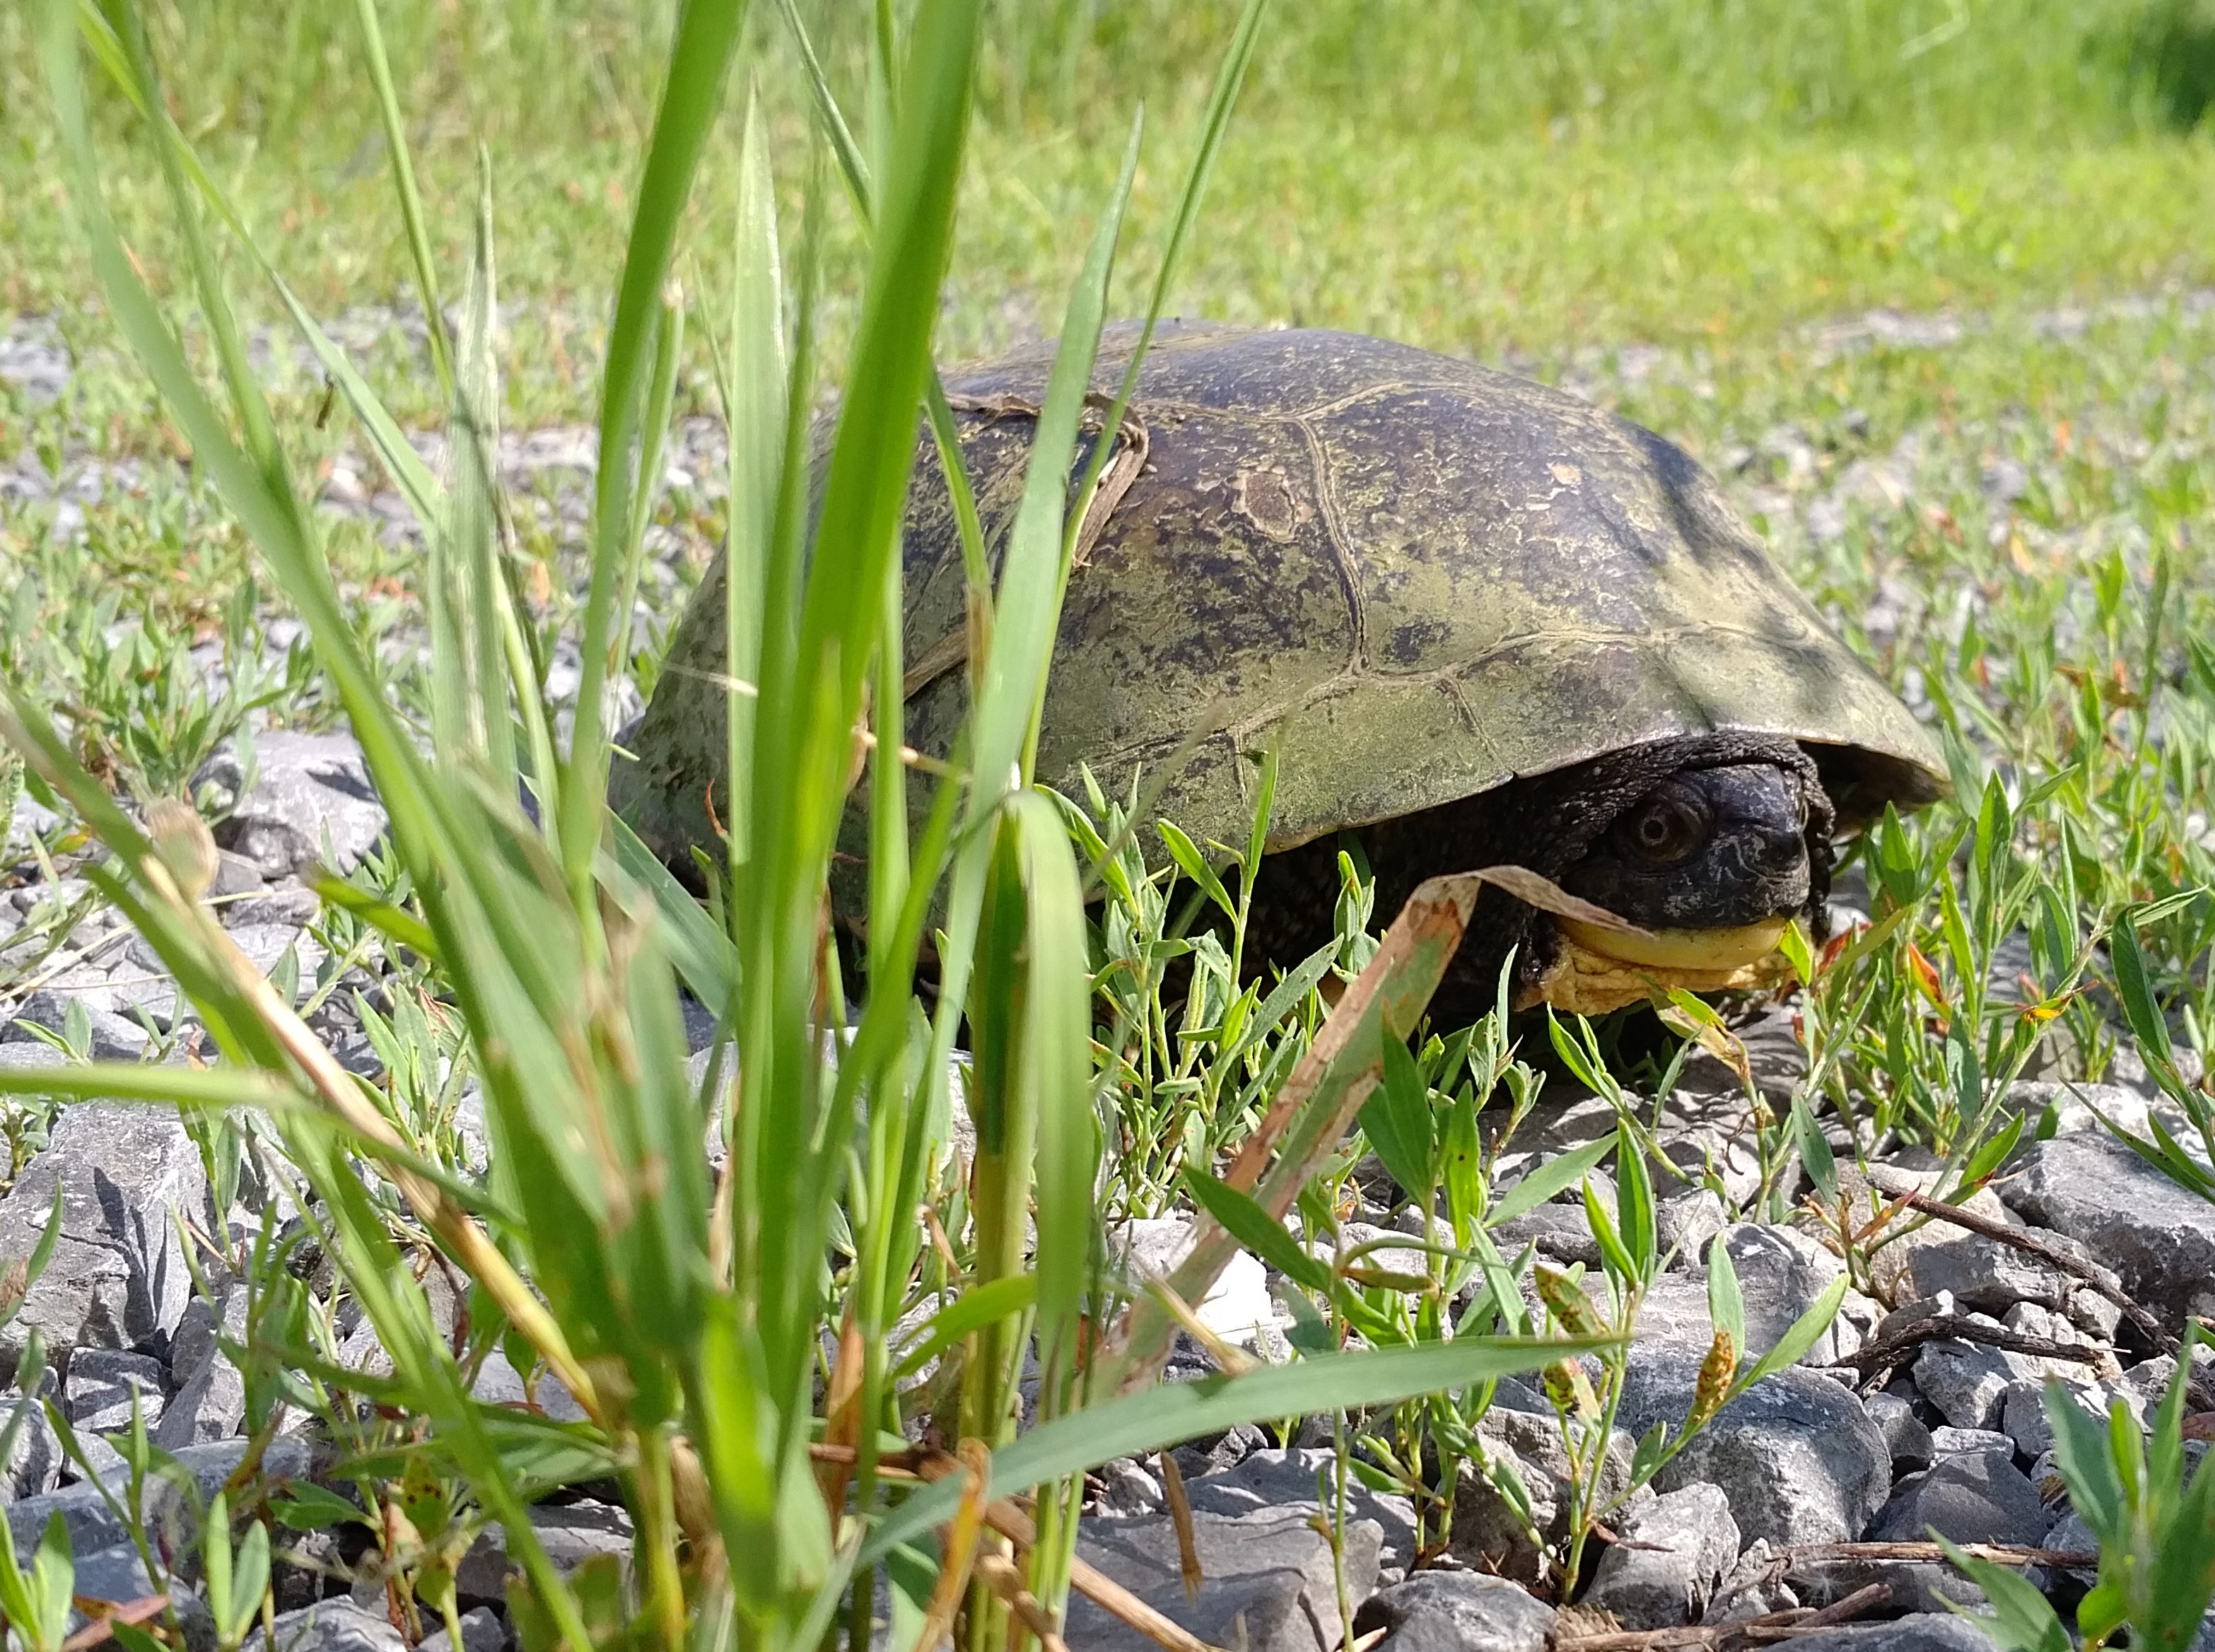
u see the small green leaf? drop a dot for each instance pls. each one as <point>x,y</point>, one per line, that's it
<point>1798,951</point>
<point>1613,1249</point>
<point>1992,1153</point>
<point>1309,1332</point>
<point>2135,987</point>
<point>1254,1227</point>
<point>1634,1202</point>
<point>1815,1149</point>
<point>2021,1620</point>
<point>1397,1118</point>
<point>1556,1176</point>
<point>1725,1306</point>
<point>306,1507</point>
<point>1194,865</point>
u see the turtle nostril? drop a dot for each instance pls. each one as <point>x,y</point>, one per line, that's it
<point>1780,853</point>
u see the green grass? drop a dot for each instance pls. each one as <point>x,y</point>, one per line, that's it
<point>1521,179</point>
<point>1557,186</point>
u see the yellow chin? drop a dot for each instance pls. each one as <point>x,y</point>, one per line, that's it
<point>1600,970</point>
<point>1681,949</point>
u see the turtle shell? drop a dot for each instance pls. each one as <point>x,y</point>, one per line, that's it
<point>1418,578</point>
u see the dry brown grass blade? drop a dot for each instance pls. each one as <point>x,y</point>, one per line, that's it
<point>1437,913</point>
<point>842,1423</point>
<point>1533,889</point>
<point>1001,1577</point>
<point>959,1548</point>
<point>1318,1104</point>
<point>105,1615</point>
<point>1188,1566</point>
<point>465,1241</point>
<point>1011,1522</point>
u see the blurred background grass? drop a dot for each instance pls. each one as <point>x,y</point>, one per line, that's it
<point>1513,178</point>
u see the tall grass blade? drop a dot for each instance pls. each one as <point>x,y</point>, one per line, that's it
<point>1135,1424</point>
<point>699,57</point>
<point>411,198</point>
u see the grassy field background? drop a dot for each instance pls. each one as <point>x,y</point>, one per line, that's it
<point>1513,179</point>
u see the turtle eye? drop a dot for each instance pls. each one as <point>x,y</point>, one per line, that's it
<point>1666,827</point>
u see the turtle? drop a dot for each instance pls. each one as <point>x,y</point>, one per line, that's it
<point>1478,620</point>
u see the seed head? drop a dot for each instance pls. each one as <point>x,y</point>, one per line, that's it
<point>1715,1373</point>
<point>187,848</point>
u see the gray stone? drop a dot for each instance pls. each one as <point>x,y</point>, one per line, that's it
<point>117,1275</point>
<point>1457,1611</point>
<point>2093,1314</point>
<point>115,1573</point>
<point>306,787</point>
<point>1983,1274</point>
<point>115,1037</point>
<point>34,360</point>
<point>1752,1588</point>
<point>1237,1307</point>
<point>499,1384</point>
<point>1273,1479</point>
<point>35,1463</point>
<point>1971,1498</point>
<point>2071,1534</point>
<point>571,1533</point>
<point>2151,1232</point>
<point>1909,1441</point>
<point>93,1524</point>
<point>2143,1387</point>
<point>1270,1580</point>
<point>2023,1417</point>
<point>331,1626</point>
<point>1680,1546</point>
<point>1127,1487</point>
<point>482,1632</point>
<point>1971,1442</point>
<point>97,1392</point>
<point>1488,1533</point>
<point>1560,1233</point>
<point>266,944</point>
<point>1797,1456</point>
<point>1199,1458</point>
<point>1781,1273</point>
<point>29,1053</point>
<point>210,1405</point>
<point>1922,1631</point>
<point>1688,1221</point>
<point>234,875</point>
<point>1968,1381</point>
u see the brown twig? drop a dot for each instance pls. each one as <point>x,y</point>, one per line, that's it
<point>2003,1554</point>
<point>1888,1350</point>
<point>2090,1273</point>
<point>1771,1626</point>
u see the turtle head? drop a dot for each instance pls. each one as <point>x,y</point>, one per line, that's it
<point>1713,862</point>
